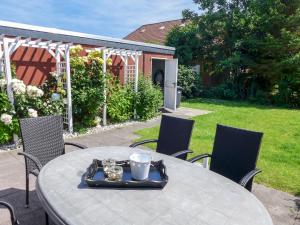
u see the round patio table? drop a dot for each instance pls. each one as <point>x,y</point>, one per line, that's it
<point>193,195</point>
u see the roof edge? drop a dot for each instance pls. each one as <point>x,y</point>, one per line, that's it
<point>13,27</point>
<point>148,25</point>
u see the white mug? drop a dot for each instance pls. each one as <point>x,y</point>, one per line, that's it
<point>140,165</point>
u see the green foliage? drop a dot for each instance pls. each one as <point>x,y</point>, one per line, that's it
<point>53,86</point>
<point>223,91</point>
<point>23,103</point>
<point>253,43</point>
<point>187,79</point>
<point>186,42</point>
<point>7,130</point>
<point>122,100</point>
<point>87,86</point>
<point>120,103</point>
<point>148,100</point>
<point>5,105</point>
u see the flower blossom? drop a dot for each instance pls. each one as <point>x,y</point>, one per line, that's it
<point>32,113</point>
<point>6,119</point>
<point>18,86</point>
<point>34,91</point>
<point>2,83</point>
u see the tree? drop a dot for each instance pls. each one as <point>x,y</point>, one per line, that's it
<point>254,43</point>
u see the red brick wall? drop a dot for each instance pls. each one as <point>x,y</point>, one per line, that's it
<point>147,61</point>
<point>34,65</point>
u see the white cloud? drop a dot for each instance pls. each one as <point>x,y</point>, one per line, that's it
<point>103,17</point>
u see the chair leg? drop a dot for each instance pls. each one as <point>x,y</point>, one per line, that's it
<point>47,218</point>
<point>27,191</point>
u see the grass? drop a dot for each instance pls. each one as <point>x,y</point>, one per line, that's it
<point>280,151</point>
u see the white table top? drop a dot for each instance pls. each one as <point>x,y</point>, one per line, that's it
<point>193,195</point>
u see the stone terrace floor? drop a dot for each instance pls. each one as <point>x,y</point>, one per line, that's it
<point>284,208</point>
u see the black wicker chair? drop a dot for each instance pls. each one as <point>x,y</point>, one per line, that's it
<point>234,154</point>
<point>174,137</point>
<point>11,210</point>
<point>42,141</point>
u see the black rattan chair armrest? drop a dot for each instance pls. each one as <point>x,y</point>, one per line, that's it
<point>199,157</point>
<point>35,160</point>
<point>177,154</point>
<point>142,142</point>
<point>244,181</point>
<point>76,145</point>
<point>11,210</point>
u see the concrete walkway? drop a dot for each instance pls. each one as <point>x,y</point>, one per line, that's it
<point>283,207</point>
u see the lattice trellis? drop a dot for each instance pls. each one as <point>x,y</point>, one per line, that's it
<point>58,50</point>
<point>61,72</point>
<point>129,73</point>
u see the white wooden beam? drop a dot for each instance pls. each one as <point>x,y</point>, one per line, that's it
<point>1,51</point>
<point>8,71</point>
<point>136,73</point>
<point>69,93</point>
<point>57,59</point>
<point>104,89</point>
<point>51,52</point>
<point>136,79</point>
<point>133,58</point>
<point>108,56</point>
<point>13,46</point>
<point>122,58</point>
<point>27,40</point>
<point>61,52</point>
<point>126,70</point>
<point>1,61</point>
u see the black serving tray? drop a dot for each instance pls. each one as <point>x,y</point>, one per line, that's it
<point>157,176</point>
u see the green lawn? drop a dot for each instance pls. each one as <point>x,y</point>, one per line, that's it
<point>280,151</point>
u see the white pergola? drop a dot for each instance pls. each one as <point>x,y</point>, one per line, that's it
<point>59,50</point>
<point>131,72</point>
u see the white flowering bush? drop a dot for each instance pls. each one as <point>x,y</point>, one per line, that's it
<point>31,101</point>
<point>6,119</point>
<point>18,86</point>
<point>2,83</point>
<point>33,91</point>
<point>32,113</point>
<point>26,97</point>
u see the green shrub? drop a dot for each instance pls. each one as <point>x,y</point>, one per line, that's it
<point>53,85</point>
<point>148,100</point>
<point>286,93</point>
<point>12,127</point>
<point>87,86</point>
<point>186,80</point>
<point>197,90</point>
<point>222,91</point>
<point>7,131</point>
<point>120,102</point>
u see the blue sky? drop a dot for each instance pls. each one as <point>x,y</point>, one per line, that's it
<point>115,18</point>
